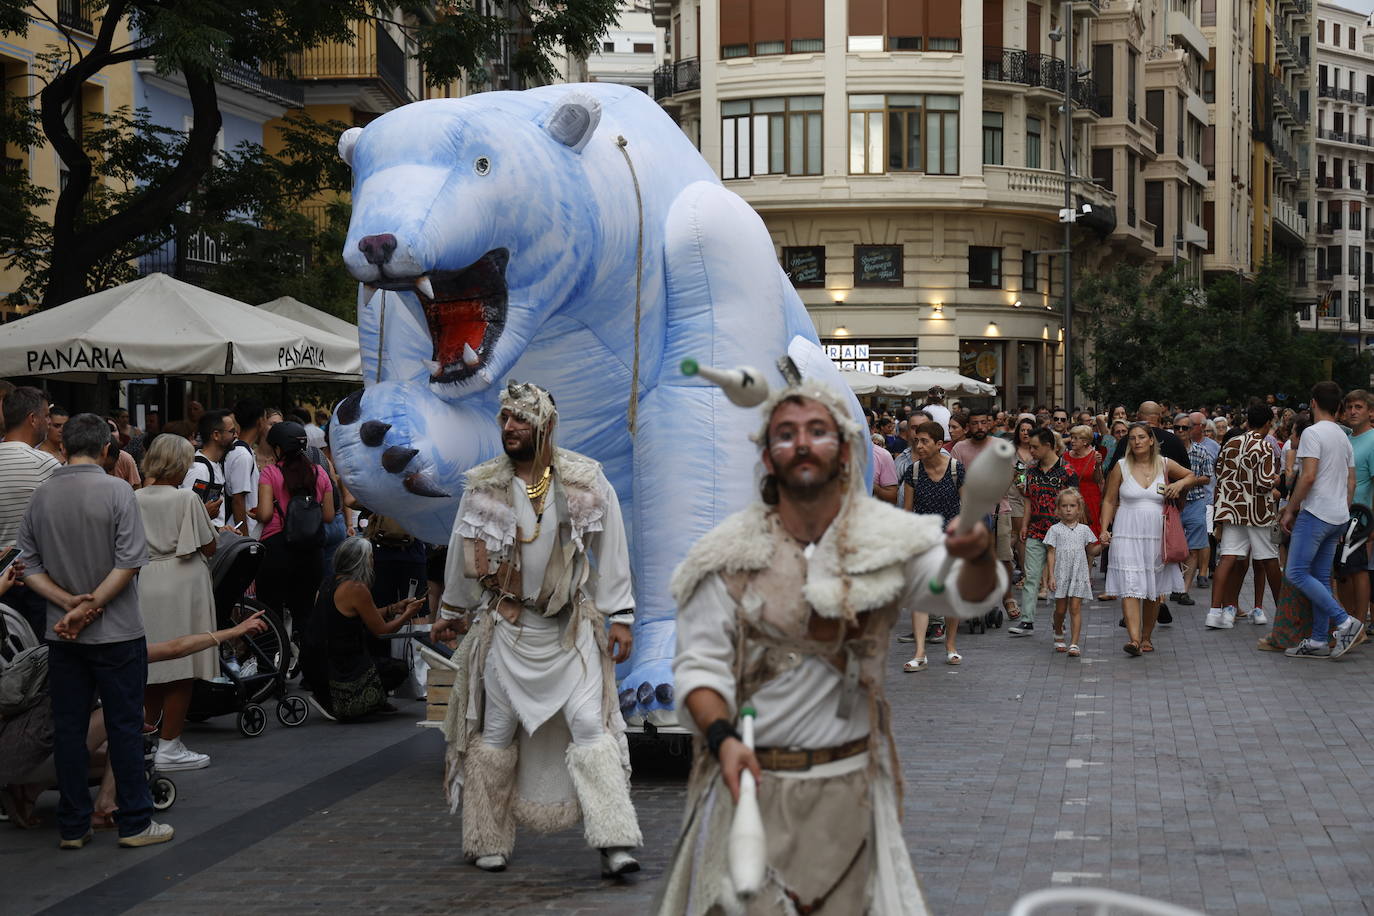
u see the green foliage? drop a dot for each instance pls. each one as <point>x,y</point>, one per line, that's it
<point>133,187</point>
<point>1238,339</point>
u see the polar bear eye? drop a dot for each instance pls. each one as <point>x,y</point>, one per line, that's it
<point>482,166</point>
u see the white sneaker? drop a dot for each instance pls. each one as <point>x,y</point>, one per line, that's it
<point>617,861</point>
<point>1213,621</point>
<point>1348,635</point>
<point>491,863</point>
<point>1228,617</point>
<point>151,835</point>
<point>1258,618</point>
<point>173,755</point>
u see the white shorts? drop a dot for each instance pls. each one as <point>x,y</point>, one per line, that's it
<point>1255,540</point>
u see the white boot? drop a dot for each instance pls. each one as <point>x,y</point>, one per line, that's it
<point>603,792</point>
<point>489,803</point>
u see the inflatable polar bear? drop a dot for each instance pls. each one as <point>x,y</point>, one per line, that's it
<point>496,237</point>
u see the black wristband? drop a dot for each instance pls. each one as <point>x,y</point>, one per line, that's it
<point>716,734</point>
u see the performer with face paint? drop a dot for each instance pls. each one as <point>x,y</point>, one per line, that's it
<point>788,607</point>
<point>535,690</point>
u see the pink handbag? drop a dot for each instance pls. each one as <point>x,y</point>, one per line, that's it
<point>1174,543</point>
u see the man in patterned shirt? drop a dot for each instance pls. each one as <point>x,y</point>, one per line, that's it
<point>1197,499</point>
<point>1045,478</point>
<point>1246,473</point>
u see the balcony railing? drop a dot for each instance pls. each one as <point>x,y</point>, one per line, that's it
<point>1328,181</point>
<point>373,55</point>
<point>679,76</point>
<point>1014,65</point>
<point>77,14</point>
<point>1346,95</point>
<point>1287,43</point>
<point>1325,275</point>
<point>1326,92</point>
<point>252,80</point>
<point>1130,110</point>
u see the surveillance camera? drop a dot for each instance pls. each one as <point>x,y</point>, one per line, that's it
<point>1056,33</point>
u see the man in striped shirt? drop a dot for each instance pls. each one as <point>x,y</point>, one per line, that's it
<point>23,469</point>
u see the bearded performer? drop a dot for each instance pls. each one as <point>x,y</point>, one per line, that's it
<point>534,730</point>
<point>788,607</point>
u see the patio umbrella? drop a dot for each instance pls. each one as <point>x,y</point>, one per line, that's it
<point>923,378</point>
<point>296,310</point>
<point>158,325</point>
<point>869,383</point>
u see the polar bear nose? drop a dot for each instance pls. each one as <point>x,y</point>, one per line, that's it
<point>377,248</point>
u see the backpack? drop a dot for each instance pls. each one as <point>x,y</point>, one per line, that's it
<point>303,519</point>
<point>23,665</point>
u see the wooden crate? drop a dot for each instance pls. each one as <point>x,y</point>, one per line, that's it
<point>438,684</point>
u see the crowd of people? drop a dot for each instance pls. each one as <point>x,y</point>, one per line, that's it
<point>113,528</point>
<point>1164,503</point>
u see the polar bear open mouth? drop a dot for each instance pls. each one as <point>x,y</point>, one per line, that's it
<point>466,312</point>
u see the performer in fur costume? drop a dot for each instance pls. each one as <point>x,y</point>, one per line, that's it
<point>535,733</point>
<point>788,606</point>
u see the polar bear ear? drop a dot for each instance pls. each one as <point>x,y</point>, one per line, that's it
<point>347,140</point>
<point>574,120</point>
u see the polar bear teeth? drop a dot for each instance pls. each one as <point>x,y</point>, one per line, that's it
<point>470,356</point>
<point>425,287</point>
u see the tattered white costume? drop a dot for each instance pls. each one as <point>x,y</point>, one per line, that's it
<point>800,633</point>
<point>534,731</point>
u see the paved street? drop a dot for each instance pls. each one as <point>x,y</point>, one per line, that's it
<point>1208,774</point>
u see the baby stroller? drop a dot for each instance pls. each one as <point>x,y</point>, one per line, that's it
<point>253,669</point>
<point>15,636</point>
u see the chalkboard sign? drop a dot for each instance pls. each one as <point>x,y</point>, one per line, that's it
<point>877,265</point>
<point>805,266</point>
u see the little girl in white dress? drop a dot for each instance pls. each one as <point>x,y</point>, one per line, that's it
<point>1068,545</point>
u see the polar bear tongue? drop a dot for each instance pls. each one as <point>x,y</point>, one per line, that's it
<point>457,324</point>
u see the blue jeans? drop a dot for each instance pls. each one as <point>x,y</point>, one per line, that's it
<point>1313,547</point>
<point>118,671</point>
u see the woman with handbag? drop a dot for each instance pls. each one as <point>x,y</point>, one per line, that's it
<point>1133,523</point>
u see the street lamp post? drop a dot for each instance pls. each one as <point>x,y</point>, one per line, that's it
<point>1070,77</point>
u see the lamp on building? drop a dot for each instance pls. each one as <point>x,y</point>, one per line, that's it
<point>939,310</point>
<point>1016,304</point>
<point>992,330</point>
<point>838,294</point>
<point>842,331</point>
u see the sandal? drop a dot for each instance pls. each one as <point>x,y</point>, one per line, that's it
<point>1131,649</point>
<point>1106,597</point>
<point>1013,608</point>
<point>916,664</point>
<point>19,807</point>
<point>953,658</point>
<point>1267,645</point>
<point>1059,642</point>
<point>1074,651</point>
<point>1146,646</point>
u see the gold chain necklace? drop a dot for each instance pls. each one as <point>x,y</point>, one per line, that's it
<point>536,494</point>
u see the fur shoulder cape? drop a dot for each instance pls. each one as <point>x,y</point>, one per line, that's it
<point>879,539</point>
<point>486,511</point>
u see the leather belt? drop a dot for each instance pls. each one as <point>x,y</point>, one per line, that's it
<point>788,758</point>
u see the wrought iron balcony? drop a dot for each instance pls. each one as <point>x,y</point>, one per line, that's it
<point>251,79</point>
<point>678,76</point>
<point>77,14</point>
<point>1015,65</point>
<point>1326,92</point>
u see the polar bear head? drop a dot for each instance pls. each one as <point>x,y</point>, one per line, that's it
<point>480,207</point>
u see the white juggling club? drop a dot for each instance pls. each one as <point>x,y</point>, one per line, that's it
<point>748,852</point>
<point>985,483</point>
<point>744,386</point>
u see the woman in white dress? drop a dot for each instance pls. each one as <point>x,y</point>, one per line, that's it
<point>1133,524</point>
<point>174,591</point>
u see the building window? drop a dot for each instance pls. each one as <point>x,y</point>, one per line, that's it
<point>878,265</point>
<point>607,47</point>
<point>644,47</point>
<point>780,136</point>
<point>805,266</point>
<point>885,134</point>
<point>764,27</point>
<point>992,138</point>
<point>1336,34</point>
<point>1032,143</point>
<point>1029,261</point>
<point>1102,166</point>
<point>900,25</point>
<point>984,268</point>
<point>1321,30</point>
